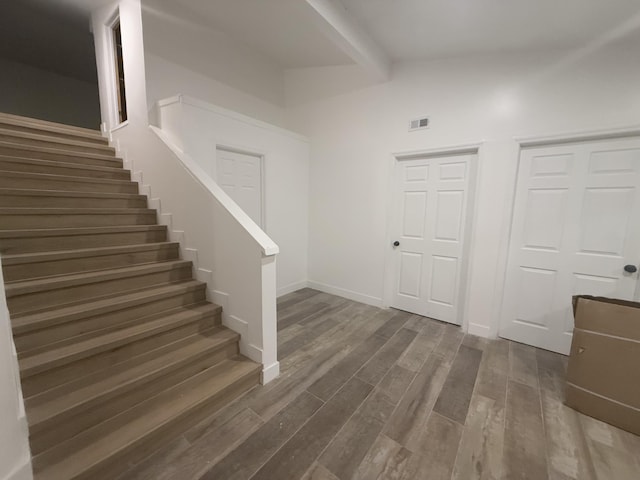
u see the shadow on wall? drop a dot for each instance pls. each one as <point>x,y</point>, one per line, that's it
<point>48,64</point>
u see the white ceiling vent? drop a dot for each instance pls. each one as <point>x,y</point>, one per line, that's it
<point>419,124</point>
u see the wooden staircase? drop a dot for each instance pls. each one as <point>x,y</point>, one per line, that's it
<point>118,348</point>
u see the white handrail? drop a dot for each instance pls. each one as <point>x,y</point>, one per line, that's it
<point>268,246</point>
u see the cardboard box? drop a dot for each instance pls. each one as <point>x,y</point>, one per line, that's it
<point>603,378</point>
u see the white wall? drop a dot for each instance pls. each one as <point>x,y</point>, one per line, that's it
<point>199,128</point>
<point>33,92</point>
<point>166,79</point>
<point>15,458</point>
<point>237,263</point>
<point>184,57</point>
<point>354,128</point>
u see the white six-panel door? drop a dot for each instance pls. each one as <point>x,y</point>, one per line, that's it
<point>429,225</point>
<point>576,224</point>
<point>240,175</point>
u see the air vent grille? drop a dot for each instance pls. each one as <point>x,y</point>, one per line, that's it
<point>419,124</point>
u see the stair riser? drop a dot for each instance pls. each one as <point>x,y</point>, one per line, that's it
<point>71,202</point>
<point>74,421</point>
<point>61,135</point>
<point>21,222</point>
<point>60,157</point>
<point>18,166</point>
<point>12,246</point>
<point>42,300</point>
<point>41,123</point>
<point>61,145</point>
<point>35,384</point>
<point>85,328</point>
<point>62,184</point>
<point>85,264</point>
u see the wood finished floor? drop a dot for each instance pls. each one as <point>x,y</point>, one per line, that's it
<point>370,394</point>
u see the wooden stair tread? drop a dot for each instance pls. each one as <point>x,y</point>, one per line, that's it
<point>134,376</point>
<point>59,164</point>
<point>31,365</point>
<point>21,136</point>
<point>80,253</point>
<point>58,151</point>
<point>98,444</point>
<point>61,281</point>
<point>37,321</point>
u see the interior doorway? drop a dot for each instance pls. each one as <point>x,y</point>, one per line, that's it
<point>575,230</point>
<point>429,232</point>
<point>240,174</point>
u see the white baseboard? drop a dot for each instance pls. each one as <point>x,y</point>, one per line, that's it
<point>250,351</point>
<point>22,471</point>
<point>236,324</point>
<point>480,330</point>
<point>342,292</point>
<point>270,373</point>
<point>291,288</point>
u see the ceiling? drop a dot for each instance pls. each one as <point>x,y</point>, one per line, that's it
<point>287,32</point>
<point>282,30</point>
<point>426,29</point>
<point>53,34</point>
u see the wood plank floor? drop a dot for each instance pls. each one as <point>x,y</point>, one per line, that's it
<point>367,394</point>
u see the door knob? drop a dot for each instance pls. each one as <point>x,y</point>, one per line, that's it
<point>397,244</point>
<point>630,268</point>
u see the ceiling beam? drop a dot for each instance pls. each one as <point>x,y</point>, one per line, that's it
<point>339,25</point>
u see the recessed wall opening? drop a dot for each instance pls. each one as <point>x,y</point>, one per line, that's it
<point>119,71</point>
<point>240,174</point>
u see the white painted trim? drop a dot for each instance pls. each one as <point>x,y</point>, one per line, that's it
<point>112,92</point>
<point>229,147</point>
<point>270,373</point>
<point>22,471</point>
<point>464,292</point>
<point>581,136</point>
<point>343,292</point>
<point>464,149</point>
<point>469,241</point>
<point>236,324</point>
<point>292,287</point>
<point>505,245</point>
<point>479,330</point>
<point>389,274</point>
<point>263,174</point>
<point>194,102</point>
<point>267,245</point>
<point>120,126</point>
<point>252,352</point>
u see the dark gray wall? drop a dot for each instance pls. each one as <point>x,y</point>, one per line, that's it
<point>47,63</point>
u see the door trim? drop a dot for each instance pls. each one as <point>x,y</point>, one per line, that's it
<point>577,136</point>
<point>472,194</point>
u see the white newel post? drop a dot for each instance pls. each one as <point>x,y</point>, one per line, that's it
<point>271,367</point>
